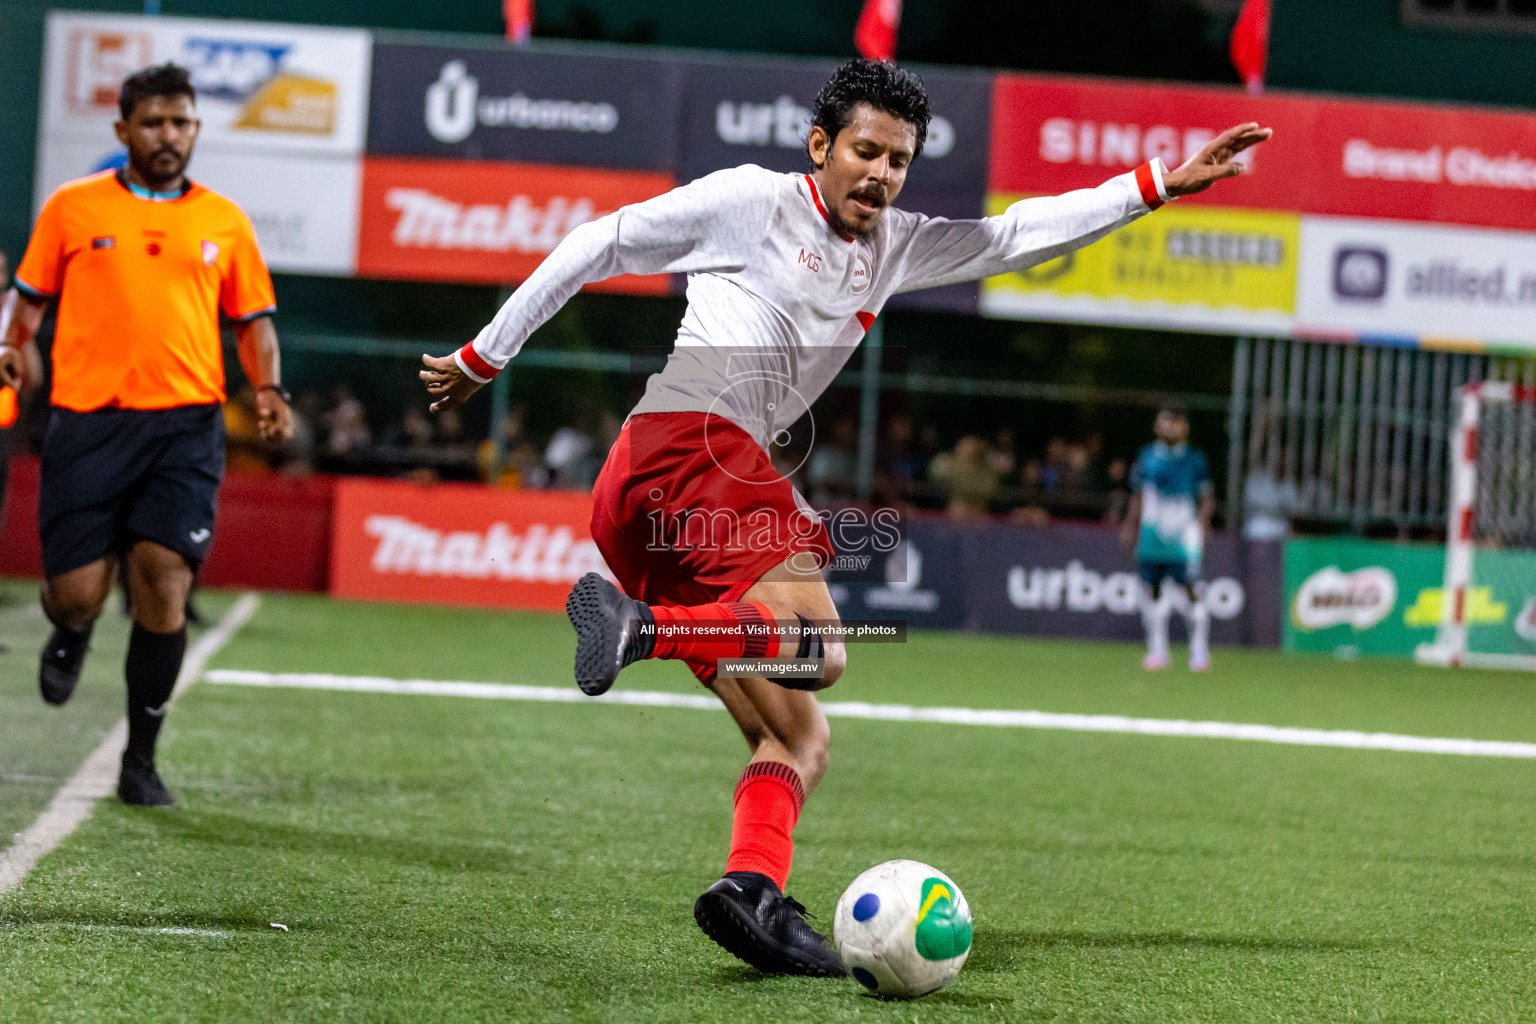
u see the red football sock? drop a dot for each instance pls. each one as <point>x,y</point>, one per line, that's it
<point>707,632</point>
<point>768,801</point>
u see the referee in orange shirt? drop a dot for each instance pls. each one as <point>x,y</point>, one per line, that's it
<point>142,261</point>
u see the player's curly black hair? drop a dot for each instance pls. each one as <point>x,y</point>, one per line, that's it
<point>166,79</point>
<point>883,86</point>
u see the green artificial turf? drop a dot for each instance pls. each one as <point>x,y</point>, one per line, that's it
<point>449,859</point>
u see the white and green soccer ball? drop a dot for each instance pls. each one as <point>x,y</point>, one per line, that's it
<point>903,929</point>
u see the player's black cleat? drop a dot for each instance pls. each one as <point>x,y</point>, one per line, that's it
<point>752,920</point>
<point>611,631</point>
<point>139,784</point>
<point>58,671</point>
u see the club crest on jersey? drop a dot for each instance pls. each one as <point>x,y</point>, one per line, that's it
<point>863,274</point>
<point>210,252</point>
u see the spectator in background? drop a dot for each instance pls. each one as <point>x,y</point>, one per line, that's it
<point>1032,491</point>
<point>415,430</point>
<point>833,465</point>
<point>968,479</point>
<point>1117,497</point>
<point>1002,453</point>
<point>925,448</point>
<point>893,461</point>
<point>1268,504</point>
<point>346,423</point>
<point>570,455</point>
<point>520,466</point>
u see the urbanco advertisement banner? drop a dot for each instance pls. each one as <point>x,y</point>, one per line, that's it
<point>1347,158</point>
<point>527,106</point>
<point>460,544</point>
<point>260,86</point>
<point>1434,286</point>
<point>759,112</point>
<point>1078,581</point>
<point>487,222</point>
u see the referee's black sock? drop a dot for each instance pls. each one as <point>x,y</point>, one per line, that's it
<point>154,660</point>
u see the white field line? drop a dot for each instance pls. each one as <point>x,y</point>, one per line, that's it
<point>98,775</point>
<point>901,713</point>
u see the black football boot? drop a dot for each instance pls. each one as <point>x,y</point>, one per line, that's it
<point>139,784</point>
<point>63,656</point>
<point>752,920</point>
<point>612,631</point>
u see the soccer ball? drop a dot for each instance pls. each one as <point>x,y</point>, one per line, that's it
<point>903,929</point>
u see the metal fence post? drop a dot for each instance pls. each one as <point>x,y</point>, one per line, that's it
<point>1236,442</point>
<point>869,409</point>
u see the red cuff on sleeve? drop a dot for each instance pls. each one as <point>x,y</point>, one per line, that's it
<point>1148,186</point>
<point>477,366</point>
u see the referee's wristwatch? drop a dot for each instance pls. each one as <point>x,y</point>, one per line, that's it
<point>282,392</point>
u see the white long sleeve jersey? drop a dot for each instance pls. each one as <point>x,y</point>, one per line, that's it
<point>778,300</point>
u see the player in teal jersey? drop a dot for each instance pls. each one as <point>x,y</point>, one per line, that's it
<point>1170,512</point>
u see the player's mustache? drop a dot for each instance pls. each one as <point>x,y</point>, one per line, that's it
<point>870,193</point>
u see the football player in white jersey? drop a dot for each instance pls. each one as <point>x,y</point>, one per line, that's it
<point>710,545</point>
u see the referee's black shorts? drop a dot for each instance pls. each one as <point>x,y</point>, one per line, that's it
<point>115,476</point>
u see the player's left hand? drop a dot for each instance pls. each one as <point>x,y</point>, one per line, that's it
<point>1215,161</point>
<point>274,420</point>
<point>446,383</point>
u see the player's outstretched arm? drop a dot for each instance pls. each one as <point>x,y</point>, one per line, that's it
<point>1216,161</point>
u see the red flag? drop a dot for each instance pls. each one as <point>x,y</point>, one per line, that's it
<point>875,36</point>
<point>1250,44</point>
<point>519,15</point>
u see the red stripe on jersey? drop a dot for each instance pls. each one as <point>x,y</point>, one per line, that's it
<point>1148,186</point>
<point>865,319</point>
<point>816,198</point>
<point>478,366</point>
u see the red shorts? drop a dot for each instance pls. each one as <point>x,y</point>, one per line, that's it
<point>689,510</point>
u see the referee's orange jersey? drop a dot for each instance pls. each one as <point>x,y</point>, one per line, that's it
<point>140,284</point>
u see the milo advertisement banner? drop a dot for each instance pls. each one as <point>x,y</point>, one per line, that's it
<point>1349,597</point>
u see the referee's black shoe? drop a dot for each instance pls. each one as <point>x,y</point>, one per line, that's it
<point>139,784</point>
<point>58,670</point>
<point>612,631</point>
<point>752,920</point>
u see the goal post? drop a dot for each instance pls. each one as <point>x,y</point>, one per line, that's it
<point>1488,604</point>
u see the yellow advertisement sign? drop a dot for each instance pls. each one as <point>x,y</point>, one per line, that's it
<point>1198,267</point>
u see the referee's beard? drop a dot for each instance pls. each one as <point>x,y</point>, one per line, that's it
<point>161,169</point>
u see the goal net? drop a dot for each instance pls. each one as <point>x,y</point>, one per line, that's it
<point>1488,605</point>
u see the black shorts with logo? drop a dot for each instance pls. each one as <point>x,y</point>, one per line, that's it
<point>115,476</point>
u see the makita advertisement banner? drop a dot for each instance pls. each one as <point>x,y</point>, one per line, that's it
<point>459,544</point>
<point>487,222</point>
<point>525,106</point>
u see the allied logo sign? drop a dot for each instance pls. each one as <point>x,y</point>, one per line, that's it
<point>1331,597</point>
<point>1360,272</point>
